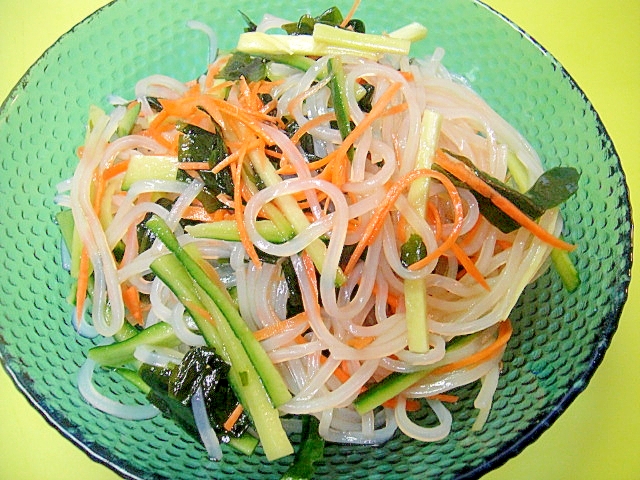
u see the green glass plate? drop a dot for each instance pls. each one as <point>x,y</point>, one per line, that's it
<point>559,339</point>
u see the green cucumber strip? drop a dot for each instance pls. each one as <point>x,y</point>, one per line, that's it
<point>274,383</point>
<point>126,332</point>
<point>121,353</point>
<point>566,269</point>
<point>388,388</point>
<point>299,62</point>
<point>134,379</point>
<point>325,40</point>
<point>228,230</point>
<point>128,120</point>
<point>413,32</point>
<point>150,167</point>
<point>244,379</point>
<point>337,85</point>
<point>245,443</point>
<point>398,382</point>
<point>415,298</point>
<point>329,36</point>
<point>64,218</point>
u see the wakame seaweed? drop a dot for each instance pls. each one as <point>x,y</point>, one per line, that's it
<point>551,189</point>
<point>173,387</point>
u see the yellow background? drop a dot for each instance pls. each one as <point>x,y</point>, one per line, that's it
<point>598,437</point>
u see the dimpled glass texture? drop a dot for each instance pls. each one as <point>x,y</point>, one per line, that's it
<point>559,338</point>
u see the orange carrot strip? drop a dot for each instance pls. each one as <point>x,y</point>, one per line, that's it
<point>434,214</point>
<point>395,109</point>
<point>460,171</point>
<point>469,266</point>
<point>471,234</point>
<point>115,170</point>
<point>200,214</point>
<point>504,333</point>
<point>411,404</point>
<point>131,298</point>
<point>193,165</point>
<point>233,418</point>
<point>445,397</point>
<point>84,266</point>
<point>313,123</point>
<point>504,244</point>
<point>377,219</point>
<point>408,76</point>
<point>282,326</point>
<point>360,342</point>
<point>350,14</point>
<point>214,69</point>
<point>238,209</point>
<point>82,284</point>
<point>235,155</point>
<point>316,165</point>
<point>310,268</point>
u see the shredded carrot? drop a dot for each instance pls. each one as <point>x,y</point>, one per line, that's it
<point>200,214</point>
<point>115,170</point>
<point>395,109</point>
<point>84,268</point>
<point>455,231</point>
<point>350,14</point>
<point>131,298</point>
<point>341,374</point>
<point>193,165</point>
<point>82,284</point>
<point>460,171</point>
<point>310,268</point>
<point>311,124</point>
<point>504,244</point>
<point>412,405</point>
<point>445,397</point>
<point>239,209</point>
<point>377,219</point>
<point>280,327</point>
<point>471,234</point>
<point>231,158</point>
<point>233,418</point>
<point>214,69</point>
<point>408,76</point>
<point>434,215</point>
<point>360,342</point>
<point>469,266</point>
<point>504,333</point>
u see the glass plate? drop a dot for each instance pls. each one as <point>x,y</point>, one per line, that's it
<point>559,338</point>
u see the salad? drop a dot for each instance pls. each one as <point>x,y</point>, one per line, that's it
<point>320,235</point>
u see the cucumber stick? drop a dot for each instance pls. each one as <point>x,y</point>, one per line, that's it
<point>228,230</point>
<point>274,383</point>
<point>415,290</point>
<point>213,326</point>
<point>150,167</point>
<point>391,386</point>
<point>120,353</point>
